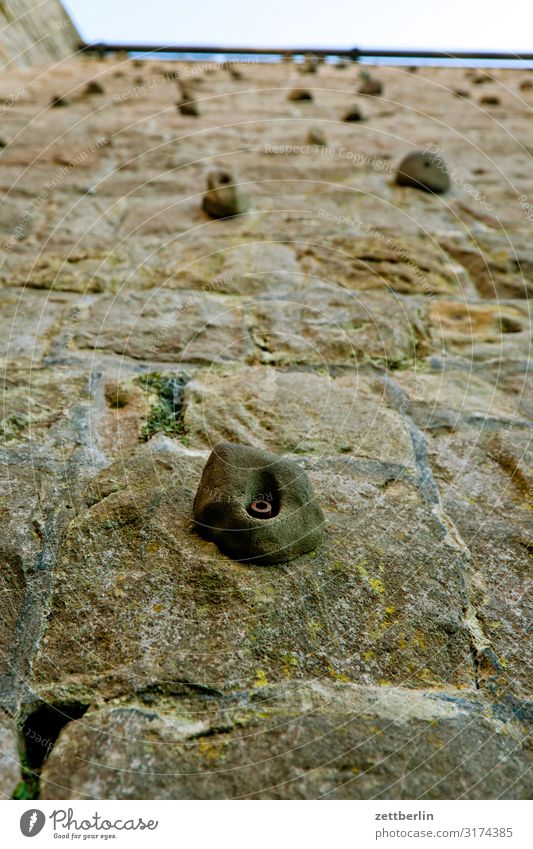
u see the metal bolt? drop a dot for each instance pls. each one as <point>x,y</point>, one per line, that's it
<point>260,509</point>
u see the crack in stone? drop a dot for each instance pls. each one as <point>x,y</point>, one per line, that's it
<point>33,615</point>
<point>480,645</point>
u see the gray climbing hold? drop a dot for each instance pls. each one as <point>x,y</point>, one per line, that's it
<point>315,135</point>
<point>309,65</point>
<point>423,170</point>
<point>353,114</point>
<point>299,94</point>
<point>94,87</point>
<point>371,86</point>
<point>256,506</point>
<point>188,107</point>
<point>57,101</point>
<point>223,198</point>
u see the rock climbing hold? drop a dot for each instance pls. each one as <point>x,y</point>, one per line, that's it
<point>370,86</point>
<point>490,100</point>
<point>353,114</point>
<point>281,523</point>
<point>57,100</point>
<point>94,87</point>
<point>188,107</point>
<point>423,170</point>
<point>299,94</point>
<point>223,198</point>
<point>315,135</point>
<point>309,65</point>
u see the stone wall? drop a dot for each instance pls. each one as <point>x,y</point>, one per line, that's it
<point>377,335</point>
<point>35,33</point>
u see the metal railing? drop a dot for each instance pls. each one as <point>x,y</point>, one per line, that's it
<point>353,53</point>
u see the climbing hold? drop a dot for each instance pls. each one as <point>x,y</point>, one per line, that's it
<point>315,135</point>
<point>423,170</point>
<point>94,87</point>
<point>256,506</point>
<point>353,114</point>
<point>309,65</point>
<point>57,100</point>
<point>370,86</point>
<point>299,94</point>
<point>223,198</point>
<point>490,100</point>
<point>188,107</point>
<point>461,92</point>
<point>526,84</point>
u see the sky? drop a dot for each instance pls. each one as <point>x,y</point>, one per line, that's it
<point>453,25</point>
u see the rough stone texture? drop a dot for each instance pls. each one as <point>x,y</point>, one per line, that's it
<point>35,33</point>
<point>377,336</point>
<point>9,757</point>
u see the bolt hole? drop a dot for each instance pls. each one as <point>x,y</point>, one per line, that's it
<point>263,507</point>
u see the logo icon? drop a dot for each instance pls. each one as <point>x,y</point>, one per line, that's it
<point>32,822</point>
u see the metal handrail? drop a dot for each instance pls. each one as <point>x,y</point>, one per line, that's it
<point>353,53</point>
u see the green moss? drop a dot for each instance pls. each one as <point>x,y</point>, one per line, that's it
<point>261,679</point>
<point>164,394</point>
<point>28,786</point>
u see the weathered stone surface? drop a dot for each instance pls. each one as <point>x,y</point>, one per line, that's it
<point>296,412</point>
<point>487,487</point>
<point>163,325</point>
<point>9,757</point>
<point>36,35</point>
<point>320,740</point>
<point>377,337</point>
<point>481,331</point>
<point>500,268</point>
